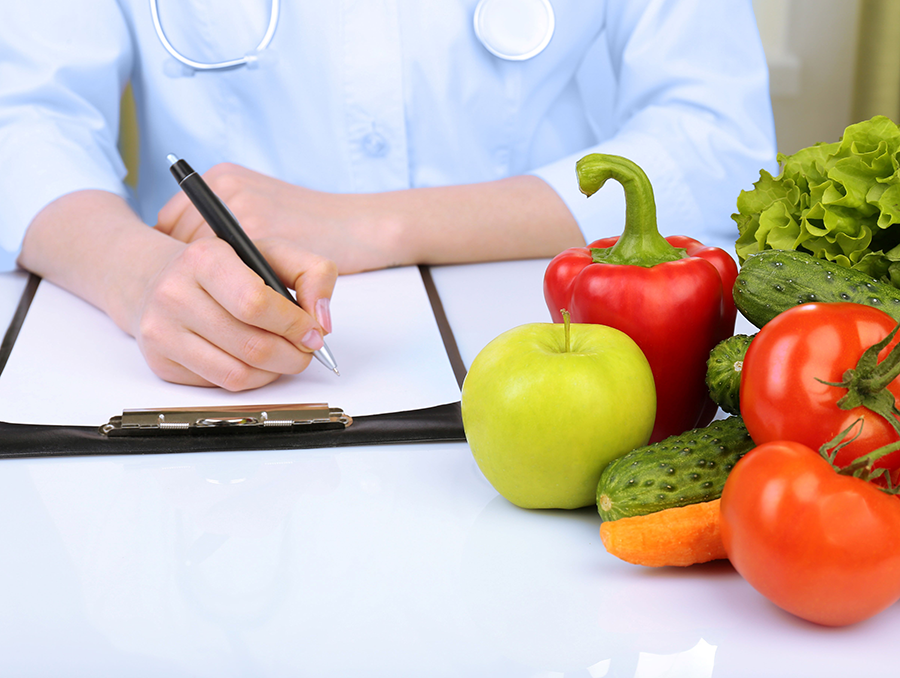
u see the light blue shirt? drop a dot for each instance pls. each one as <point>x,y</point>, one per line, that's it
<point>361,96</point>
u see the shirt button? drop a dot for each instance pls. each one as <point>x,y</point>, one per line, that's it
<point>375,145</point>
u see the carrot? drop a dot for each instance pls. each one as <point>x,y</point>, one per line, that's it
<point>677,536</point>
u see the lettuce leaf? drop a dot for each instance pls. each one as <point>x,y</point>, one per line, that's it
<point>838,201</point>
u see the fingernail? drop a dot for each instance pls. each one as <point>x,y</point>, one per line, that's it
<point>313,340</point>
<point>323,314</point>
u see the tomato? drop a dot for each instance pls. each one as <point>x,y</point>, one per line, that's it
<point>781,395</point>
<point>823,546</point>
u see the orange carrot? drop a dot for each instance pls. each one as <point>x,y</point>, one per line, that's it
<point>677,536</point>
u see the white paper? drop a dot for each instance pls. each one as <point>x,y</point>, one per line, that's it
<point>72,365</point>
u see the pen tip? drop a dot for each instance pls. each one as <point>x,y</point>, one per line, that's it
<point>172,158</point>
<point>336,371</point>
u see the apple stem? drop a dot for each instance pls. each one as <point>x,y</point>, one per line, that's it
<point>565,315</point>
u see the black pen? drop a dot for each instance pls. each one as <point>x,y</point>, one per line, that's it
<point>226,226</point>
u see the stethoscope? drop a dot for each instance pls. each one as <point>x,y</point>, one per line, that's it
<point>514,30</point>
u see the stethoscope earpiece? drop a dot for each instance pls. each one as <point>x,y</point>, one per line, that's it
<point>514,30</point>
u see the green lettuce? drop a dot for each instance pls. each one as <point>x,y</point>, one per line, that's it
<point>837,201</point>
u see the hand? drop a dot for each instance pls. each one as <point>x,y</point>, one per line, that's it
<point>208,320</point>
<point>337,226</point>
<point>199,314</point>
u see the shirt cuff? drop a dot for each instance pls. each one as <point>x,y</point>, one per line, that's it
<point>40,171</point>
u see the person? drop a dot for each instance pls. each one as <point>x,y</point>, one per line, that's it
<point>366,135</point>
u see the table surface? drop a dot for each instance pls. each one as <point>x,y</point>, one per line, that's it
<point>383,561</point>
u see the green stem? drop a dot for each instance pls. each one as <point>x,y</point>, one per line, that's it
<point>866,384</point>
<point>887,370</point>
<point>863,467</point>
<point>565,315</point>
<point>867,461</point>
<point>641,243</point>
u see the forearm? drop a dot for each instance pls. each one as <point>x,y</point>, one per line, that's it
<point>515,218</point>
<point>92,244</point>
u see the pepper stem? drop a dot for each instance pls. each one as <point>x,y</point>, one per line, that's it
<point>565,315</point>
<point>641,243</point>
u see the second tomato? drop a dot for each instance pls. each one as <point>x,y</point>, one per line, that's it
<point>820,545</point>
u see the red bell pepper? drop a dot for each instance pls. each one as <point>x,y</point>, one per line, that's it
<point>672,296</point>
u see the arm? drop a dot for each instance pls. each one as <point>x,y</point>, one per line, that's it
<point>198,313</point>
<point>514,218</point>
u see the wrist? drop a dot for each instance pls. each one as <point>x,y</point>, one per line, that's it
<point>397,219</point>
<point>92,244</point>
<point>141,253</point>
<point>378,231</point>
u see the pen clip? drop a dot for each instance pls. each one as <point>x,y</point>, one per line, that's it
<point>227,419</point>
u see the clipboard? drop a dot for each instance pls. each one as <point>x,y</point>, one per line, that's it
<point>231,428</point>
<point>442,423</point>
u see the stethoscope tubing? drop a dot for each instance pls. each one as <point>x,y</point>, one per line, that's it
<point>274,15</point>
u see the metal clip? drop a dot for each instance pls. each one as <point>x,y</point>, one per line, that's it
<point>229,418</point>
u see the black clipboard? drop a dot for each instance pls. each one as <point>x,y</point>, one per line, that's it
<point>254,427</point>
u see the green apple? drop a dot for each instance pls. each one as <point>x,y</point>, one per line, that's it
<point>546,406</point>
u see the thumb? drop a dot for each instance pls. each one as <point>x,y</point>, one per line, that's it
<point>312,277</point>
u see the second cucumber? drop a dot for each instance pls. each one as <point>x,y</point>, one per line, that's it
<point>773,281</point>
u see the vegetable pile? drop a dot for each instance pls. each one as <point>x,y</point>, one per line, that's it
<point>798,488</point>
<point>804,505</point>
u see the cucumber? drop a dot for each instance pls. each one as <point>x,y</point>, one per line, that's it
<point>685,469</point>
<point>773,281</point>
<point>723,372</point>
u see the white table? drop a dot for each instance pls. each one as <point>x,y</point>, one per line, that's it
<point>383,561</point>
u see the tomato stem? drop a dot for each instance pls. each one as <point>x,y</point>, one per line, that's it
<point>867,383</point>
<point>863,467</point>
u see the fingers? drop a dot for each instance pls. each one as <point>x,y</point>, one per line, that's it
<point>181,220</point>
<point>197,362</point>
<point>210,320</point>
<point>244,295</point>
<point>311,276</point>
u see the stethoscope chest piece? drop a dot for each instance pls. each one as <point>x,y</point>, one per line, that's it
<point>514,29</point>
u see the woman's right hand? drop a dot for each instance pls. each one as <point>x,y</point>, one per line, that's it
<point>206,319</point>
<point>199,314</point>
